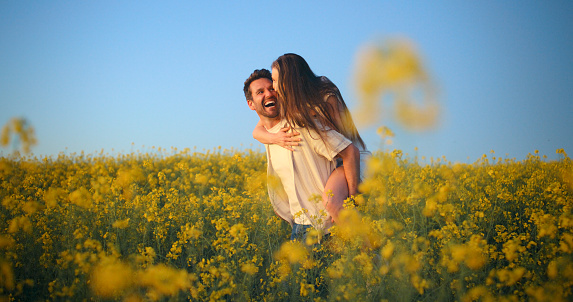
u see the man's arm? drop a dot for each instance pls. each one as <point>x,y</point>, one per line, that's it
<point>351,160</point>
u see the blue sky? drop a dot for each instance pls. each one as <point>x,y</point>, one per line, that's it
<point>125,76</point>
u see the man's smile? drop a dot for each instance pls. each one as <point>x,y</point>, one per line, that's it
<point>270,103</point>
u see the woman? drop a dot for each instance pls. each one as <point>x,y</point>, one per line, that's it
<point>312,102</point>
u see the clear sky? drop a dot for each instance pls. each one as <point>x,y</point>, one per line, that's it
<point>124,76</point>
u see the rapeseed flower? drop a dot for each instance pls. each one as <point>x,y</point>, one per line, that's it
<point>292,252</point>
<point>121,224</point>
<point>21,128</point>
<point>394,69</point>
<point>20,223</point>
<point>249,268</point>
<point>81,197</point>
<point>509,277</point>
<point>111,278</point>
<point>6,276</point>
<point>388,250</point>
<point>483,228</point>
<point>566,243</point>
<point>162,280</point>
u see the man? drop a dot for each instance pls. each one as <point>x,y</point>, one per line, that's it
<point>303,172</point>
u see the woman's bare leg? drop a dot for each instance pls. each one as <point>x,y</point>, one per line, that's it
<point>335,192</point>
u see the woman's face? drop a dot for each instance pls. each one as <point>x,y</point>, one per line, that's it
<point>275,76</point>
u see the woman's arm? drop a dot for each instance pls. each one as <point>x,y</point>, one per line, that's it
<point>283,138</point>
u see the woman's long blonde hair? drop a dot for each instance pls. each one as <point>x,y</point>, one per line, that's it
<point>301,93</point>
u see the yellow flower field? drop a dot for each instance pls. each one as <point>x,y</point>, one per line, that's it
<point>199,226</point>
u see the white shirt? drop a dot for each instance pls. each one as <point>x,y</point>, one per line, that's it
<point>303,174</point>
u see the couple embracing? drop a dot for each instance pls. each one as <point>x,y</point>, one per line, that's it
<point>313,147</point>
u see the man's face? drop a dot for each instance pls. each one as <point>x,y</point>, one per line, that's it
<point>264,100</point>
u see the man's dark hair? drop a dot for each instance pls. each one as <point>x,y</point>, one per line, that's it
<point>257,74</point>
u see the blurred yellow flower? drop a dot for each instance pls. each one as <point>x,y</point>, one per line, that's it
<point>292,252</point>
<point>546,225</point>
<point>394,68</point>
<point>81,197</point>
<point>305,289</point>
<point>5,136</point>
<point>419,283</point>
<point>566,243</point>
<point>111,278</point>
<point>336,270</point>
<point>249,268</point>
<point>430,208</point>
<point>388,250</point>
<point>21,128</point>
<point>552,270</point>
<point>364,263</point>
<point>6,242</point>
<point>192,232</point>
<point>52,196</point>
<point>312,237</point>
<point>510,277</point>
<point>20,223</point>
<point>353,229</point>
<point>6,276</point>
<point>121,224</point>
<point>385,132</point>
<point>475,293</point>
<point>31,207</point>
<point>163,280</point>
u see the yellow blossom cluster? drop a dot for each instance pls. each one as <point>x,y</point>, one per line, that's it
<point>497,229</point>
<point>184,225</point>
<point>199,226</point>
<point>23,132</point>
<point>393,70</point>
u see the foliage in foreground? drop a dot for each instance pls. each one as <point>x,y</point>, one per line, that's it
<point>198,226</point>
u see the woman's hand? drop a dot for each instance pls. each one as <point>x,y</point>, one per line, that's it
<point>286,139</point>
<point>283,138</point>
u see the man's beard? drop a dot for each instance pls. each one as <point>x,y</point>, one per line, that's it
<point>265,113</point>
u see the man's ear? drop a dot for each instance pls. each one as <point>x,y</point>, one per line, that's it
<point>251,105</point>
